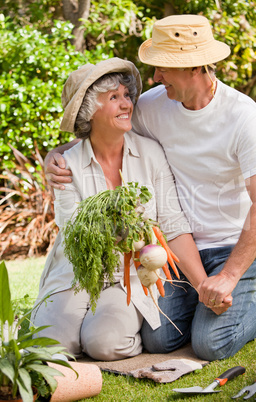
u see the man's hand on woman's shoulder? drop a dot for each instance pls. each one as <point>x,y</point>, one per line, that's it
<point>55,170</point>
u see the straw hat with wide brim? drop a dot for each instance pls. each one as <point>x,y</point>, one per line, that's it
<point>182,41</point>
<point>80,80</point>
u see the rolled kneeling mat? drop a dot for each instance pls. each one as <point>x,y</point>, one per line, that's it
<point>70,388</point>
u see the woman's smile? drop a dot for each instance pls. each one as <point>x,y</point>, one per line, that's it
<point>115,112</point>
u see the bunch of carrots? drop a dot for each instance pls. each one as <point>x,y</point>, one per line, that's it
<point>113,222</point>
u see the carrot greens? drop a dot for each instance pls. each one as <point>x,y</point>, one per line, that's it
<point>102,227</point>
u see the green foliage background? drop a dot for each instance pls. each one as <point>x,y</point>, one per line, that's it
<point>36,56</point>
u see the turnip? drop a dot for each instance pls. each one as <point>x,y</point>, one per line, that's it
<point>153,256</point>
<point>148,278</point>
<point>137,245</point>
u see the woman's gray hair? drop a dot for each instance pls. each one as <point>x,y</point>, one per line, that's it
<point>90,104</point>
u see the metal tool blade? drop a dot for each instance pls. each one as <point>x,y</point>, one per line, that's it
<point>250,390</point>
<point>198,390</point>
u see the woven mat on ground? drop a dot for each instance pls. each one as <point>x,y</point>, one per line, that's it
<point>158,367</point>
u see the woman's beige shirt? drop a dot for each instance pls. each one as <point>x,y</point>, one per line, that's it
<point>143,162</point>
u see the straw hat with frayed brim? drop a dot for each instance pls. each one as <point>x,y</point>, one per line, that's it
<point>80,80</point>
<point>182,41</point>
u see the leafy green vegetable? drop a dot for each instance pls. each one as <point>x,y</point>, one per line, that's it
<point>103,226</point>
<point>23,357</point>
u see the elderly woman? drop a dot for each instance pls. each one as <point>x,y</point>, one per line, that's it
<point>98,101</point>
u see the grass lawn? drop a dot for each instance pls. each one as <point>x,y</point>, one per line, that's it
<point>24,278</point>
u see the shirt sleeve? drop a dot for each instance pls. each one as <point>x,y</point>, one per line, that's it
<point>246,147</point>
<point>148,105</point>
<point>66,201</point>
<point>171,218</point>
<point>65,204</point>
<point>136,126</point>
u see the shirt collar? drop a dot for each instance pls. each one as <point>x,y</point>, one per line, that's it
<point>130,145</point>
<point>88,154</point>
<point>129,148</point>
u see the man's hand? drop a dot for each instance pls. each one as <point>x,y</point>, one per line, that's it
<point>55,170</point>
<point>224,306</point>
<point>215,292</point>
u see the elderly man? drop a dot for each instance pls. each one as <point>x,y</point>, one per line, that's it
<point>207,130</point>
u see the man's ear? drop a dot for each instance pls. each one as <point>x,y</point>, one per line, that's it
<point>196,70</point>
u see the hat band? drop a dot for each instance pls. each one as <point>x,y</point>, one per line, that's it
<point>177,47</point>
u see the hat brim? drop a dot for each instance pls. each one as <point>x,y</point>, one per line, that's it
<point>151,55</point>
<point>113,65</point>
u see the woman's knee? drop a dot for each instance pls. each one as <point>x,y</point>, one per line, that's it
<point>112,332</point>
<point>110,345</point>
<point>61,333</point>
<point>63,314</point>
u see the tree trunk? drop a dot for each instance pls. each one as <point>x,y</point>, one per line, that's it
<point>169,9</point>
<point>74,10</point>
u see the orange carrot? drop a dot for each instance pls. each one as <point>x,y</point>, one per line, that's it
<point>162,240</point>
<point>136,259</point>
<point>165,268</point>
<point>137,264</point>
<point>170,255</point>
<point>145,289</point>
<point>127,259</point>
<point>160,287</point>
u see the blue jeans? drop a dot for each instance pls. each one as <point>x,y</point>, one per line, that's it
<point>212,336</point>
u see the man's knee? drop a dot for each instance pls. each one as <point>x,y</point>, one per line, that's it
<point>212,345</point>
<point>162,340</point>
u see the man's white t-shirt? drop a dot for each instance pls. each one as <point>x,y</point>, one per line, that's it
<point>211,152</point>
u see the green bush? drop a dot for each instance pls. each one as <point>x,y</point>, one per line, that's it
<point>36,57</point>
<point>33,69</point>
